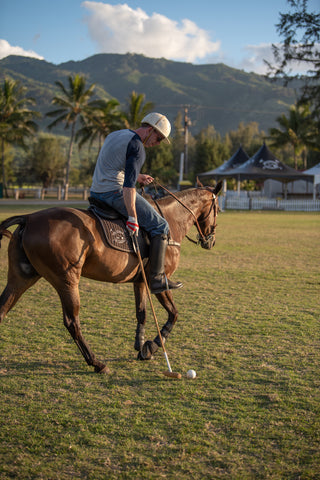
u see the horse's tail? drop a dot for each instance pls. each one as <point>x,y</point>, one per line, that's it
<point>16,220</point>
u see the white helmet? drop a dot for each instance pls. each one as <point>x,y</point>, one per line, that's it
<point>160,123</point>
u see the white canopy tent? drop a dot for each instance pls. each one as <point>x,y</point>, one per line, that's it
<point>315,172</point>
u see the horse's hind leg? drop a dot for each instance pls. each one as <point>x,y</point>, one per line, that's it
<point>149,348</point>
<point>70,301</point>
<point>15,287</point>
<point>21,276</point>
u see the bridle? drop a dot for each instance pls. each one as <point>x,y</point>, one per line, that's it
<point>204,240</point>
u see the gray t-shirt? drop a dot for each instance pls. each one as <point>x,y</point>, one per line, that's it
<point>119,162</point>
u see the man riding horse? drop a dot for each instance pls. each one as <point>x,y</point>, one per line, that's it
<point>116,173</point>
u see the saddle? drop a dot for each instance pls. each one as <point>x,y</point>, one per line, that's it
<point>113,225</point>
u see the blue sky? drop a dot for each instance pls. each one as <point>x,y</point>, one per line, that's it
<point>238,34</point>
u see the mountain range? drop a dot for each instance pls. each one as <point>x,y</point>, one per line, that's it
<point>215,94</point>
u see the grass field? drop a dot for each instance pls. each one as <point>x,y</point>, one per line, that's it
<point>248,324</point>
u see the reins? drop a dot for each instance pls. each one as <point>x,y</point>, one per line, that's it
<point>189,210</point>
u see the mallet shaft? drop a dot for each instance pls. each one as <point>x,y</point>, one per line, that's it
<point>167,360</point>
<point>170,373</point>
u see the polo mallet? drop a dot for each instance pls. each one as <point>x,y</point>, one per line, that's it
<point>169,373</point>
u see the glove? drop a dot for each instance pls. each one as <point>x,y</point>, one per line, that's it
<point>132,226</point>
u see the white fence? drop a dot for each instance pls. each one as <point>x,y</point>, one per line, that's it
<point>245,203</point>
<point>230,201</point>
<point>47,193</point>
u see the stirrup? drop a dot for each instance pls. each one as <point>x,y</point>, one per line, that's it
<point>158,285</point>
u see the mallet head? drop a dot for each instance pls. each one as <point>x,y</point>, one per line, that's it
<point>172,375</point>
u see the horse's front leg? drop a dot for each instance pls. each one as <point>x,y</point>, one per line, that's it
<point>149,348</point>
<point>140,294</point>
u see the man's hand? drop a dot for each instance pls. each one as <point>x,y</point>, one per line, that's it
<point>132,226</point>
<point>144,179</point>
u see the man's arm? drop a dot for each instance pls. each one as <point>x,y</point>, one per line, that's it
<point>129,194</point>
<point>129,197</point>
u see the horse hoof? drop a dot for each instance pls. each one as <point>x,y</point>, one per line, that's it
<point>103,370</point>
<point>147,351</point>
<point>140,357</point>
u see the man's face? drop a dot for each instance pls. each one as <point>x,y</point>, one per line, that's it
<point>152,138</point>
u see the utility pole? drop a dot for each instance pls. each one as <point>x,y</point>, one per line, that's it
<point>186,124</point>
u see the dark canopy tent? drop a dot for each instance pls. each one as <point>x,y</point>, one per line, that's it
<point>235,161</point>
<point>261,166</point>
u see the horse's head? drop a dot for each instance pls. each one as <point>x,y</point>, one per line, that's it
<point>208,218</point>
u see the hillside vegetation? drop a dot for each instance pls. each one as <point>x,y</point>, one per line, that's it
<point>216,94</point>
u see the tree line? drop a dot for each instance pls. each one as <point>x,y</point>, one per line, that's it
<point>29,156</point>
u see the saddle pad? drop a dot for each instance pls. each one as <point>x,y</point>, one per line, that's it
<point>117,235</point>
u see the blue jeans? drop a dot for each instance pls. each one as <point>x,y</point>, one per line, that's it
<point>148,218</point>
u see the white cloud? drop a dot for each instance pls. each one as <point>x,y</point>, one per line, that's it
<point>254,61</point>
<point>7,49</point>
<point>121,29</point>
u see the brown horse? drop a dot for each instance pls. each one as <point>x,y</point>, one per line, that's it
<point>62,244</point>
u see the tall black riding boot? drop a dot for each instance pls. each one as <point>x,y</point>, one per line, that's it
<point>157,278</point>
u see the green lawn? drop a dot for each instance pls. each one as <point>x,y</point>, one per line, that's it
<point>248,324</point>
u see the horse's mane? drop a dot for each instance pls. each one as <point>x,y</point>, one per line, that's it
<point>168,199</point>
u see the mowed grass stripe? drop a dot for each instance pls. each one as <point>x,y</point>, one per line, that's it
<point>248,324</point>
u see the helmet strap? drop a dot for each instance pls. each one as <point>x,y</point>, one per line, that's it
<point>148,136</point>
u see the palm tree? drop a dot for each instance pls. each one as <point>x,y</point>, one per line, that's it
<point>295,130</point>
<point>74,104</point>
<point>16,120</point>
<point>137,109</point>
<point>104,118</point>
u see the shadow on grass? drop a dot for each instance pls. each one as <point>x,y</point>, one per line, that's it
<point>124,370</point>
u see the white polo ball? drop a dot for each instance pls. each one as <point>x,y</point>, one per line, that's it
<point>191,374</point>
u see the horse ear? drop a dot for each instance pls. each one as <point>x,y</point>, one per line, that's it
<point>218,187</point>
<point>199,184</point>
